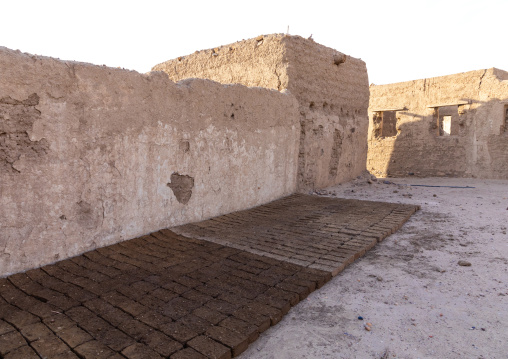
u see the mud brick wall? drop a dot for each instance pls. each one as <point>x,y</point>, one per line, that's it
<point>477,145</point>
<point>91,155</point>
<point>331,89</point>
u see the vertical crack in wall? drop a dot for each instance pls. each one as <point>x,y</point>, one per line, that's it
<point>181,185</point>
<point>481,79</point>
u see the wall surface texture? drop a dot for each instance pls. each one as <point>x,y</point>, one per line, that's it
<point>331,89</point>
<point>91,155</point>
<point>477,103</point>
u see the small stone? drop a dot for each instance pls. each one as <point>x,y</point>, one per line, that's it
<point>395,191</point>
<point>379,278</point>
<point>464,263</point>
<point>434,195</point>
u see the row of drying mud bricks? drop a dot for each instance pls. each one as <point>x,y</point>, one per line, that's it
<point>313,251</point>
<point>137,299</point>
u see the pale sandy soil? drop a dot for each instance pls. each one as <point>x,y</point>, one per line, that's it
<point>420,302</point>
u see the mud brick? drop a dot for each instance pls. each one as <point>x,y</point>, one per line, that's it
<point>179,307</point>
<point>58,322</point>
<point>188,281</point>
<point>153,318</point>
<point>161,343</point>
<point>130,292</point>
<point>248,315</point>
<point>10,341</point>
<point>206,256</point>
<point>143,286</point>
<point>247,329</point>
<point>282,304</point>
<point>209,289</point>
<point>210,348</point>
<point>269,281</point>
<point>112,315</point>
<point>274,314</point>
<point>114,339</point>
<point>73,291</point>
<point>210,315</point>
<point>222,306</point>
<point>293,268</point>
<point>74,336</point>
<point>59,300</point>
<point>95,267</point>
<point>135,329</point>
<point>164,294</point>
<point>293,298</point>
<point>187,353</point>
<point>20,280</point>
<point>302,292</point>
<point>51,347</point>
<point>35,331</point>
<point>175,287</point>
<point>195,323</point>
<point>278,272</point>
<point>242,274</point>
<point>126,304</point>
<point>196,296</point>
<point>24,352</point>
<point>235,299</point>
<point>152,302</point>
<point>140,351</point>
<point>5,327</point>
<point>319,277</point>
<point>79,314</point>
<point>228,337</point>
<point>310,285</point>
<point>89,321</point>
<point>225,252</point>
<point>178,331</point>
<point>93,350</point>
<point>19,318</point>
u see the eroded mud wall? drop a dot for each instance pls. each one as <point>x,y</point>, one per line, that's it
<point>92,155</point>
<point>331,89</point>
<point>477,145</point>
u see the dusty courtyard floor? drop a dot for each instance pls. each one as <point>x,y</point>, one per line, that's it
<point>420,301</point>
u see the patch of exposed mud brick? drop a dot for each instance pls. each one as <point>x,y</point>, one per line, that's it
<point>174,296</point>
<point>16,119</point>
<point>181,185</point>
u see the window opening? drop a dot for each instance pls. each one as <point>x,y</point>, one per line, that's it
<point>448,120</point>
<point>447,125</point>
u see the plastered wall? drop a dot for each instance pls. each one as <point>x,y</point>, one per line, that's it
<point>92,155</point>
<point>477,145</point>
<point>331,89</point>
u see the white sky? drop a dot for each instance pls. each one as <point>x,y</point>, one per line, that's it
<point>399,40</point>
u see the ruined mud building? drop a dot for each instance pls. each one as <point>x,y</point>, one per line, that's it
<point>92,155</point>
<point>453,126</point>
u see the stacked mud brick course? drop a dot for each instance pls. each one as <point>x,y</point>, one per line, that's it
<point>174,296</point>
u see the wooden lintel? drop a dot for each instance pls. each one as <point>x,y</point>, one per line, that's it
<point>391,109</point>
<point>450,104</point>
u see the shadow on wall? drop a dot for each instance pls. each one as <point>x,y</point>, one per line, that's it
<point>467,139</point>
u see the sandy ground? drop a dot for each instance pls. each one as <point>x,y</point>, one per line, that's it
<point>420,301</point>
